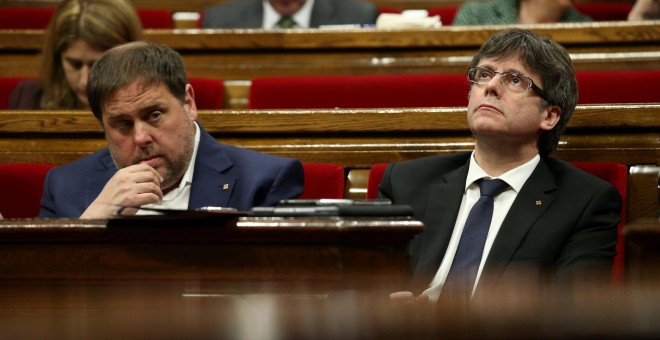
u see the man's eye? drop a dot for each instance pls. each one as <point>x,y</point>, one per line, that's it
<point>154,116</point>
<point>484,75</point>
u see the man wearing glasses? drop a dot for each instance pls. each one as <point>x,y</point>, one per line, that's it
<point>507,212</point>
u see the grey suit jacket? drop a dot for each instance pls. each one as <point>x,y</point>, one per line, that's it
<point>562,224</point>
<point>249,14</point>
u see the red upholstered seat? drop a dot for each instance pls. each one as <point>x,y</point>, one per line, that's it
<point>323,181</point>
<point>21,189</point>
<point>618,86</point>
<point>7,85</point>
<point>156,18</point>
<point>446,14</point>
<point>614,173</point>
<point>605,11</point>
<point>25,17</point>
<point>366,91</point>
<point>209,92</point>
<point>39,17</point>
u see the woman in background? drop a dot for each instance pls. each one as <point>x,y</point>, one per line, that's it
<point>506,12</point>
<point>78,33</point>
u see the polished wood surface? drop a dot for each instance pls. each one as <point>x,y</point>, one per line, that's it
<point>237,56</point>
<point>352,138</point>
<point>331,252</point>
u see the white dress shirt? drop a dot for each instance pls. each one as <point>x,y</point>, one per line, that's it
<point>515,178</point>
<point>179,197</point>
<point>302,18</point>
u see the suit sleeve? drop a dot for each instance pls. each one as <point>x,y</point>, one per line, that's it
<point>591,247</point>
<point>288,183</point>
<point>47,201</point>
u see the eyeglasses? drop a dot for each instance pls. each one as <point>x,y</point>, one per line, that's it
<point>515,82</point>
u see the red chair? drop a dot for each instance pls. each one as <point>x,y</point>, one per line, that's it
<point>617,86</point>
<point>323,181</point>
<point>209,92</point>
<point>614,173</point>
<point>39,17</point>
<point>366,91</point>
<point>22,187</point>
<point>25,17</point>
<point>7,85</point>
<point>605,11</point>
<point>446,14</point>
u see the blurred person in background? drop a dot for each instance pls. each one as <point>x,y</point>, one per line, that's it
<point>505,12</point>
<point>78,33</point>
<point>269,14</point>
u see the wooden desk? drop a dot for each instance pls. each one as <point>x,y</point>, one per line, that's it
<point>237,56</point>
<point>643,250</point>
<point>322,254</point>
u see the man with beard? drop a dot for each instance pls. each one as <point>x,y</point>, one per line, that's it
<point>158,156</point>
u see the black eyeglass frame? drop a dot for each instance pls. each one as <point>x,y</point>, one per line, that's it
<point>534,87</point>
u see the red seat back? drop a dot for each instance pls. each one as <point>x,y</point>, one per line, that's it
<point>613,173</point>
<point>209,92</point>
<point>620,86</point>
<point>323,181</point>
<point>446,14</point>
<point>605,11</point>
<point>367,91</point>
<point>21,187</point>
<point>39,17</point>
<point>25,17</point>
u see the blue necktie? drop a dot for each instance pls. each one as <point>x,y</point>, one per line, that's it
<point>465,266</point>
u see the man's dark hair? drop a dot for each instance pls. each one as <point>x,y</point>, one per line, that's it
<point>147,62</point>
<point>550,61</point>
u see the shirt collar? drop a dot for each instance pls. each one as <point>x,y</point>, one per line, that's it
<point>188,176</point>
<point>515,177</point>
<point>302,18</point>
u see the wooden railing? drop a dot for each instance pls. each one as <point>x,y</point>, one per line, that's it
<point>237,56</point>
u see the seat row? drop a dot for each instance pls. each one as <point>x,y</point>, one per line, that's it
<point>14,17</point>
<point>25,181</point>
<point>396,91</point>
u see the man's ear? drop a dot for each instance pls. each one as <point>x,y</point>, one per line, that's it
<point>189,102</point>
<point>552,115</point>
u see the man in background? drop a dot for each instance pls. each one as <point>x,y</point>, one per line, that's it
<point>270,14</point>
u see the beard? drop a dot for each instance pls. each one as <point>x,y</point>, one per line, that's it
<point>172,165</point>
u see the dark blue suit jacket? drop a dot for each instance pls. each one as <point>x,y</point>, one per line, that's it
<point>249,14</point>
<point>253,178</point>
<point>562,224</point>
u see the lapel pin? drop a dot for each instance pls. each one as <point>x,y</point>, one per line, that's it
<point>538,202</point>
<point>225,186</point>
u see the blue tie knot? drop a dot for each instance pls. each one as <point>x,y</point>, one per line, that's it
<point>492,187</point>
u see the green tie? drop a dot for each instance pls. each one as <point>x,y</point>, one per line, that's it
<point>286,22</point>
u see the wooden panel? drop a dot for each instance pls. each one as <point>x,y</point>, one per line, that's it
<point>351,138</point>
<point>333,253</point>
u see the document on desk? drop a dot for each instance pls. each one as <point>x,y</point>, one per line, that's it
<point>216,216</point>
<point>343,207</point>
